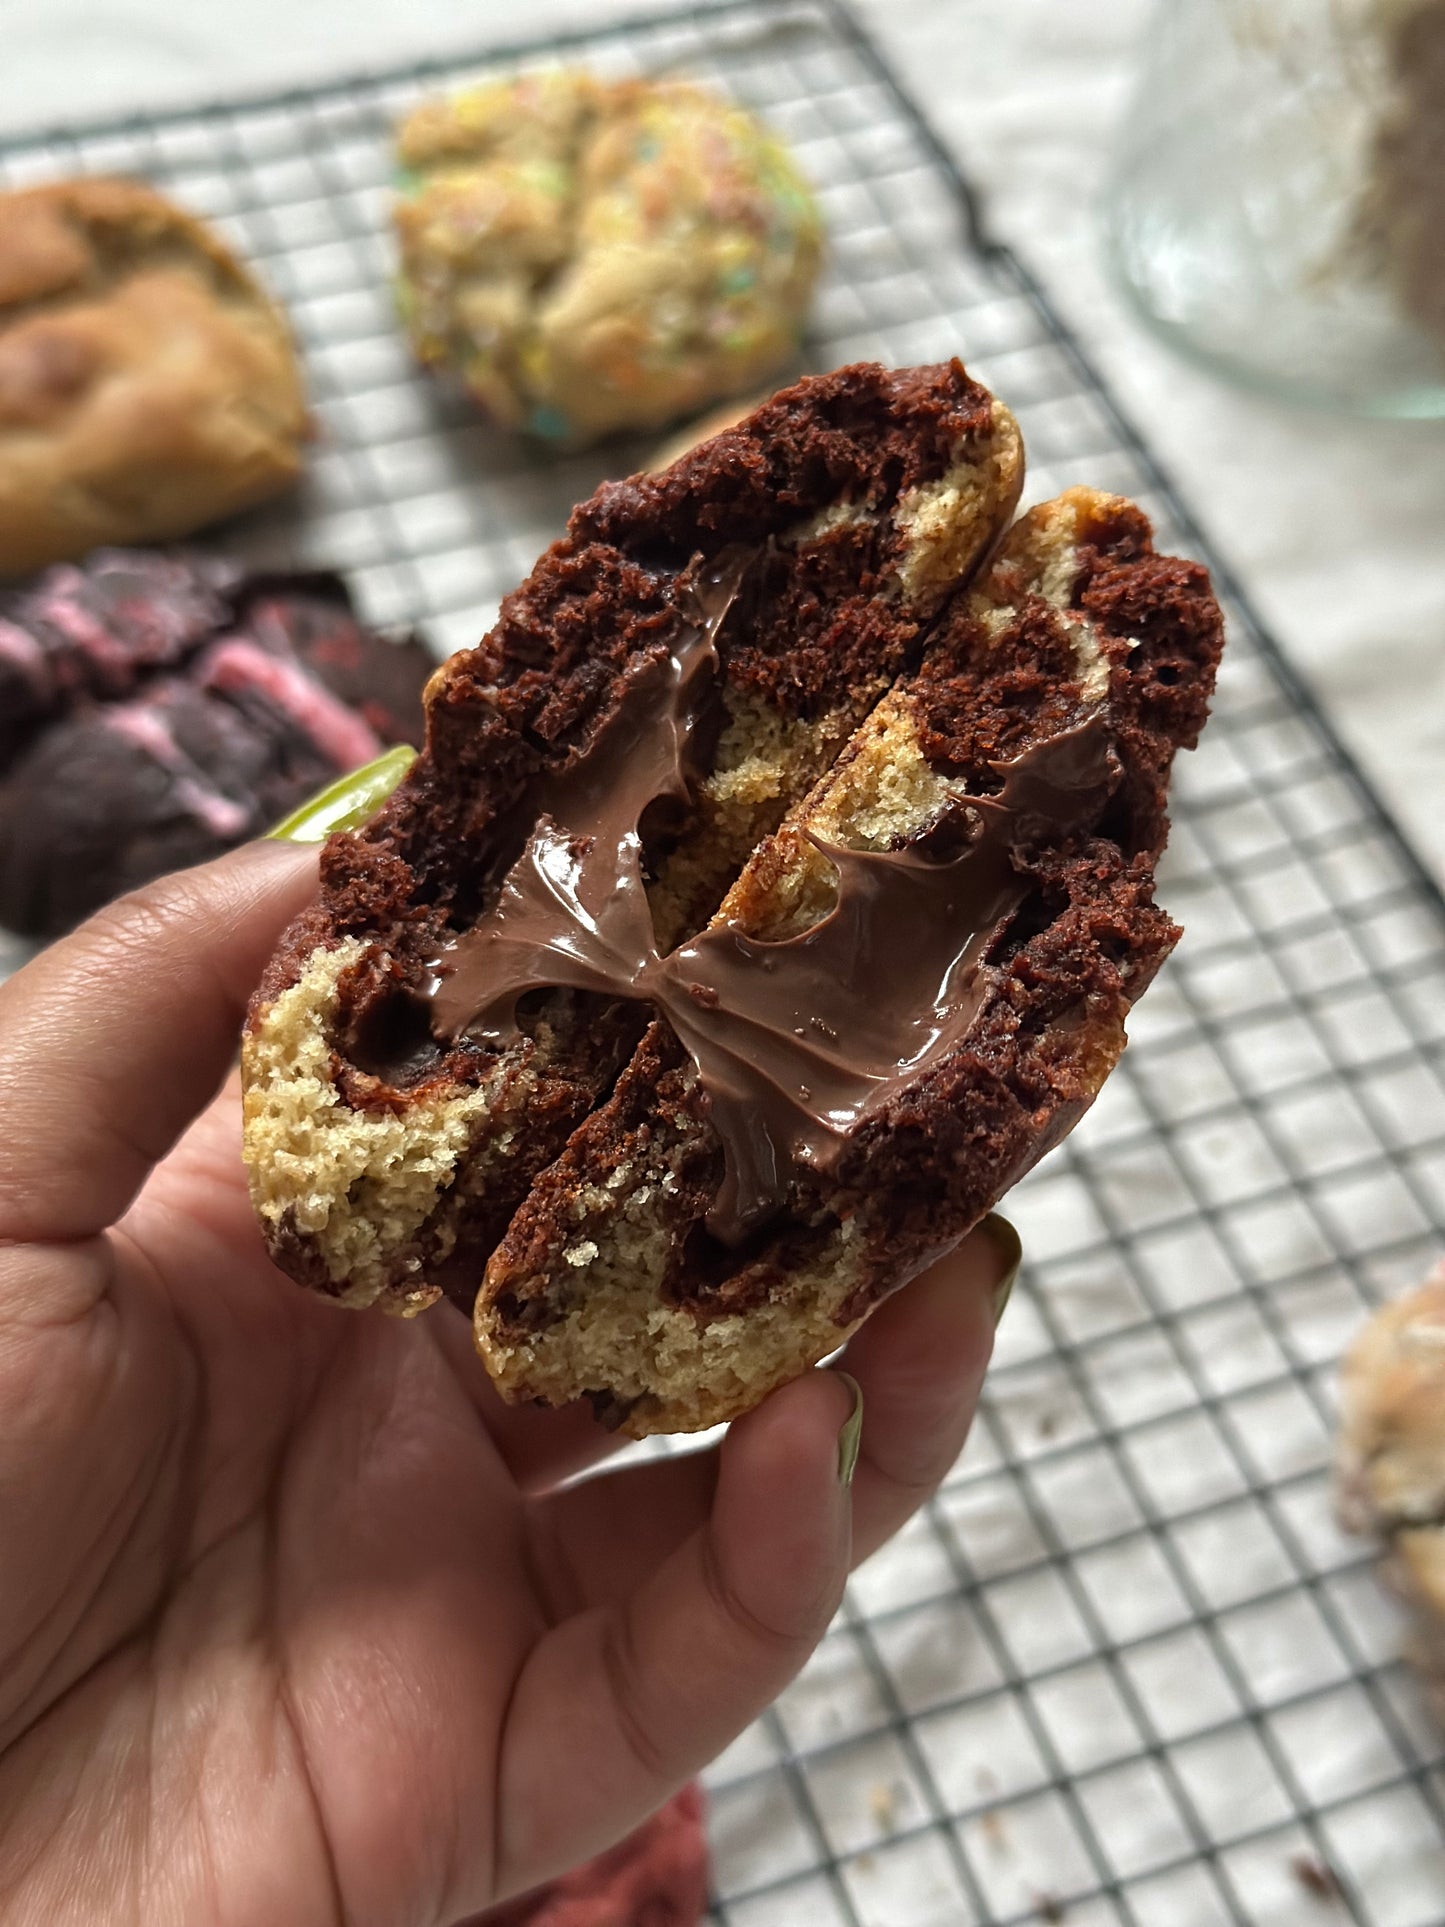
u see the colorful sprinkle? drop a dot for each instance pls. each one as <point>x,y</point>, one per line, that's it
<point>720,222</point>
<point>548,422</point>
<point>549,177</point>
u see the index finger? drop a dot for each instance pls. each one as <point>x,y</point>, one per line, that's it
<point>113,1039</point>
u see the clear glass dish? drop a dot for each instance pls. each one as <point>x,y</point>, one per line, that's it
<point>1276,201</point>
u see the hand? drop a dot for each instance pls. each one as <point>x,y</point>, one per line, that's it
<point>297,1624</point>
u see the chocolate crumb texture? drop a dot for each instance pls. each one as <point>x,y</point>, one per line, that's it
<point>1316,1876</point>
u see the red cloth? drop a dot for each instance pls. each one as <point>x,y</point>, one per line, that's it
<point>656,1877</point>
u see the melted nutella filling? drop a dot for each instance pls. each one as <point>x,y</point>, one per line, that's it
<point>796,1040</point>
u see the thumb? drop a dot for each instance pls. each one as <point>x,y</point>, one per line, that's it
<point>640,1693</point>
<point>114,1038</point>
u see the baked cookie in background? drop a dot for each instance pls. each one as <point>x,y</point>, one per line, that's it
<point>1390,1467</point>
<point>591,256</point>
<point>148,386</point>
<point>157,709</point>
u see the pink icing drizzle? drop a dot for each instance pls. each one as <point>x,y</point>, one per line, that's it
<point>139,724</point>
<point>77,624</point>
<point>235,666</point>
<point>19,645</point>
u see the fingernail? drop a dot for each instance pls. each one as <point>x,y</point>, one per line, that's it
<point>348,802</point>
<point>851,1436</point>
<point>1010,1248</point>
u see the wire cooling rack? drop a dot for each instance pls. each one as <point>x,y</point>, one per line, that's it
<point>1124,1668</point>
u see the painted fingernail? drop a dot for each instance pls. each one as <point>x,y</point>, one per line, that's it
<point>348,802</point>
<point>851,1436</point>
<point>1011,1252</point>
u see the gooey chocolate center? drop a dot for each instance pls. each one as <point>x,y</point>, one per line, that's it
<point>796,1040</point>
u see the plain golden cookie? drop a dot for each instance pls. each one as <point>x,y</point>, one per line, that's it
<point>147,384</point>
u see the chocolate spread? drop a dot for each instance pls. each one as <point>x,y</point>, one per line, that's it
<point>796,1040</point>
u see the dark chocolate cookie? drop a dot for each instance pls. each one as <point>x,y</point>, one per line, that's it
<point>156,709</point>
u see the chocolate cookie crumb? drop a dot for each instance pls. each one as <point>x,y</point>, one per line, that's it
<point>1316,1876</point>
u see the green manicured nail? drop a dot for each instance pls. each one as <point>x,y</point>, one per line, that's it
<point>1011,1251</point>
<point>851,1436</point>
<point>347,802</point>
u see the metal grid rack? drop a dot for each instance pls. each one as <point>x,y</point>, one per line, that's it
<point>1124,1669</point>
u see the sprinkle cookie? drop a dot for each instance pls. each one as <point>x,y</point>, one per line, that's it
<point>593,256</point>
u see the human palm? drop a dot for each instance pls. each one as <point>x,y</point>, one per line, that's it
<point>299,1623</point>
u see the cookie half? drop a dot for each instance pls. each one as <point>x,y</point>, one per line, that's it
<point>914,989</point>
<point>711,635</point>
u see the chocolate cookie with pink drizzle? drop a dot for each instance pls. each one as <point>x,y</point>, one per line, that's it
<point>156,709</point>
